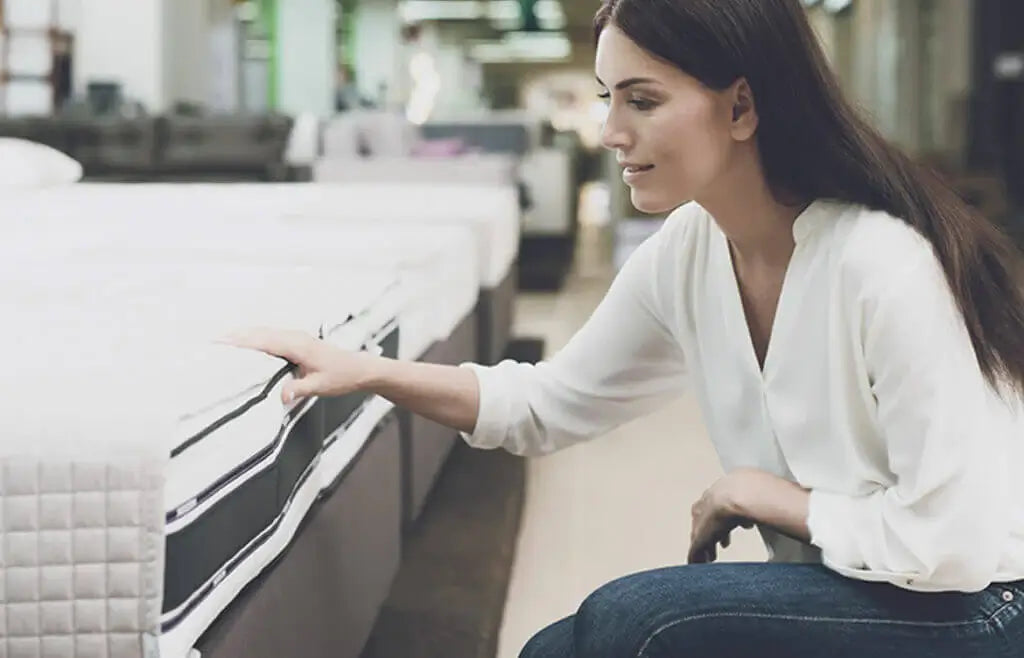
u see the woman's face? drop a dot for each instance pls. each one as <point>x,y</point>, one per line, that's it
<point>673,136</point>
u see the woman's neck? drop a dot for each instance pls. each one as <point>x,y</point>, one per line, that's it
<point>758,225</point>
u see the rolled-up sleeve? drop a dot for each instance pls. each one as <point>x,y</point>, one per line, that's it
<point>941,522</point>
<point>624,362</point>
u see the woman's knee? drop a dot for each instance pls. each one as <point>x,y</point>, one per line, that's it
<point>617,619</point>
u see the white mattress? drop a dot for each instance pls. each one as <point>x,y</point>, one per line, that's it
<point>476,168</point>
<point>437,266</point>
<point>490,211</point>
<point>113,368</point>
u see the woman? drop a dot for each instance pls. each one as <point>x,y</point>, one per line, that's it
<point>854,333</point>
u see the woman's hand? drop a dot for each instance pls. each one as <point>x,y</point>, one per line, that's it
<point>740,499</point>
<point>715,516</point>
<point>323,370</point>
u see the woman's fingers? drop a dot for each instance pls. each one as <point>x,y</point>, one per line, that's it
<point>701,544</point>
<point>290,345</point>
<point>310,355</point>
<point>305,387</point>
<point>702,555</point>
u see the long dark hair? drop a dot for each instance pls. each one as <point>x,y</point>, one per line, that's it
<point>814,145</point>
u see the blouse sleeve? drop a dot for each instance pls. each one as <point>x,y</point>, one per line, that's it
<point>942,525</point>
<point>624,362</point>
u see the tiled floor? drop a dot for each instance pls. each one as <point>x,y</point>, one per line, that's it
<point>611,507</point>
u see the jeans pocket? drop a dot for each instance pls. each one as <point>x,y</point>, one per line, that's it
<point>1001,601</point>
<point>1007,622</point>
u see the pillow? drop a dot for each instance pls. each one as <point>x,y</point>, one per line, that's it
<point>25,164</point>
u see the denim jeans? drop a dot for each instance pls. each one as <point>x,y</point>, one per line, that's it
<point>728,610</point>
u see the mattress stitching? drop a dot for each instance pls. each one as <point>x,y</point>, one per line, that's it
<point>379,337</point>
<point>227,418</point>
<point>49,612</point>
<point>245,467</point>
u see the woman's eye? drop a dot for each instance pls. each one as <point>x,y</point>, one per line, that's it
<point>641,104</point>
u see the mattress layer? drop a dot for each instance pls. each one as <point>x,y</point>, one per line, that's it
<point>437,270</point>
<point>273,523</point>
<point>475,168</point>
<point>491,211</point>
<point>245,501</point>
<point>149,350</point>
<point>149,320</point>
<point>437,266</point>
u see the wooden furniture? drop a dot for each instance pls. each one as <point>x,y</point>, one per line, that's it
<point>35,57</point>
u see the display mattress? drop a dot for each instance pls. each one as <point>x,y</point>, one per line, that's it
<point>490,211</point>
<point>129,531</point>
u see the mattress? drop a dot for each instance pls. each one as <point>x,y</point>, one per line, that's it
<point>158,471</point>
<point>436,269</point>
<point>438,284</point>
<point>478,168</point>
<point>437,264</point>
<point>490,211</point>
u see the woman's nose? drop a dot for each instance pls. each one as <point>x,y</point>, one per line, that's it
<point>614,136</point>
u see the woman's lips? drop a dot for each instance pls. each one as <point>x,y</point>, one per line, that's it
<point>632,173</point>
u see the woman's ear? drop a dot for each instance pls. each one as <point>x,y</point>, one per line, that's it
<point>744,111</point>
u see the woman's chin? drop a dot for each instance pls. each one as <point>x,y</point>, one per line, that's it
<point>650,203</point>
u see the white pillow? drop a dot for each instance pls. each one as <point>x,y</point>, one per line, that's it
<point>26,164</point>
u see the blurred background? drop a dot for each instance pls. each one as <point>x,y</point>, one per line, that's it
<point>215,89</point>
<point>318,91</point>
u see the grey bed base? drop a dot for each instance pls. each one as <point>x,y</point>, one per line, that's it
<point>426,444</point>
<point>496,312</point>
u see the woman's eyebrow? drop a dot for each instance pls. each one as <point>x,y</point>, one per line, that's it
<point>629,82</point>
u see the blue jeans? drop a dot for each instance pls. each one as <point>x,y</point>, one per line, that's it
<point>727,610</point>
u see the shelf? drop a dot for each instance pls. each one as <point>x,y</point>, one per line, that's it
<point>28,56</point>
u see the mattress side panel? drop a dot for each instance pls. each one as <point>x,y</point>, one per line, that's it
<point>82,555</point>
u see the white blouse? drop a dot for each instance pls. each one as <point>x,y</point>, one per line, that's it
<point>870,396</point>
